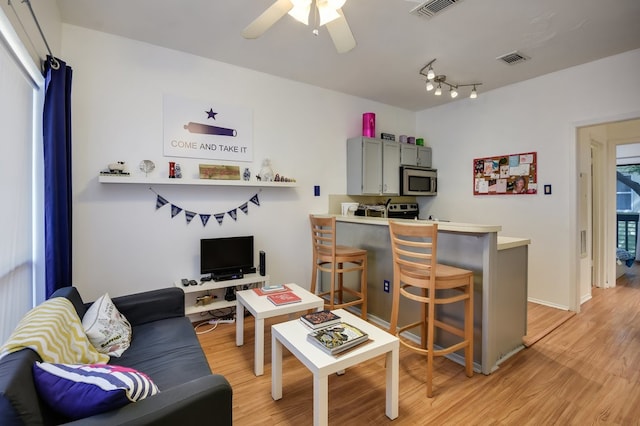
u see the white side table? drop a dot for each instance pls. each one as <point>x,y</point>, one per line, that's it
<point>261,308</point>
<point>293,336</point>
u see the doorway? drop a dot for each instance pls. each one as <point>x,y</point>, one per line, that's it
<point>596,203</point>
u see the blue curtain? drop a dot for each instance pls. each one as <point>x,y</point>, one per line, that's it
<point>57,174</point>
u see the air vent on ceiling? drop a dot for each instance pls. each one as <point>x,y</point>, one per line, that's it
<point>432,7</point>
<point>513,58</point>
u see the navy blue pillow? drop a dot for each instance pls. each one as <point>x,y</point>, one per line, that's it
<point>79,391</point>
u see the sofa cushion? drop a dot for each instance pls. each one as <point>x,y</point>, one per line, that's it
<point>53,329</point>
<point>79,391</point>
<point>167,351</point>
<point>107,329</point>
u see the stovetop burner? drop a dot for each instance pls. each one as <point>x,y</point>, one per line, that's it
<point>403,210</point>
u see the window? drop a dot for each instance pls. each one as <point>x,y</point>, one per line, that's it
<point>21,189</point>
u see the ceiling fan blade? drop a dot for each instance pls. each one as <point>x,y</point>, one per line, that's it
<point>269,17</point>
<point>341,33</point>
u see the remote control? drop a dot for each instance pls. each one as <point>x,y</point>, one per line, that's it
<point>193,282</point>
<point>185,282</point>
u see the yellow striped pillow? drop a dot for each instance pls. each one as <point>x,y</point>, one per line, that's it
<point>53,329</point>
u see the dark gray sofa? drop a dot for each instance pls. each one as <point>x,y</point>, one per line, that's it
<point>164,346</point>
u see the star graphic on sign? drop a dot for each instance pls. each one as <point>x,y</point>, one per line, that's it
<point>211,114</point>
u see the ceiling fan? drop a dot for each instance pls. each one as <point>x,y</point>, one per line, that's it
<point>328,11</point>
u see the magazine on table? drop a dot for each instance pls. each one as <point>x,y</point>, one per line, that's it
<point>284,298</point>
<point>337,338</point>
<point>320,319</point>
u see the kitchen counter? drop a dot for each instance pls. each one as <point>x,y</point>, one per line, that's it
<point>503,242</point>
<point>500,266</point>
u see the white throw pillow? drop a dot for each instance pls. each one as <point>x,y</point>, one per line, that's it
<point>107,329</point>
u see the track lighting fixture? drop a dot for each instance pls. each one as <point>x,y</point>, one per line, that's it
<point>440,79</point>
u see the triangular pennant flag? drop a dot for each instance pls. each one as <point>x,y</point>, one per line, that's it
<point>160,201</point>
<point>219,217</point>
<point>255,200</point>
<point>244,208</point>
<point>175,210</point>
<point>189,215</point>
<point>204,218</point>
<point>233,214</point>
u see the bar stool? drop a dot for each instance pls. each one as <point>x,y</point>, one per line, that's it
<point>418,277</point>
<point>337,260</point>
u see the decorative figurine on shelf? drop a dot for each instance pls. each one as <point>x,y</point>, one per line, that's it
<point>247,174</point>
<point>117,168</point>
<point>266,173</point>
<point>147,166</point>
<point>178,171</point>
<point>172,169</point>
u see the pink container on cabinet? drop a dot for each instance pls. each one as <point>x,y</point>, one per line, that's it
<point>369,124</point>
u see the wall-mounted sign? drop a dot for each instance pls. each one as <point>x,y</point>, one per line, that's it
<point>206,129</point>
<point>505,174</point>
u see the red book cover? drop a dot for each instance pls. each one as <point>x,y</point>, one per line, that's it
<point>283,298</point>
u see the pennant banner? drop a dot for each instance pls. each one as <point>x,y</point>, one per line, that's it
<point>175,210</point>
<point>189,216</point>
<point>204,217</point>
<point>160,201</point>
<point>219,217</point>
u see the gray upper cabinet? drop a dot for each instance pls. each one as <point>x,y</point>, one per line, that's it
<point>373,166</point>
<point>415,155</point>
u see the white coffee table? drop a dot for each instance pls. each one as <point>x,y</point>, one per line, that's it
<point>293,336</point>
<point>261,308</point>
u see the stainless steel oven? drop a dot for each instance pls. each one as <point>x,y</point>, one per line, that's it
<point>418,181</point>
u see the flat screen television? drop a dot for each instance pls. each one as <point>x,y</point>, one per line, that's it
<point>222,257</point>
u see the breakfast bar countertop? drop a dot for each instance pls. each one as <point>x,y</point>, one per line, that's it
<point>503,242</point>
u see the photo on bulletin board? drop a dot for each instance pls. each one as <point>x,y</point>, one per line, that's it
<point>512,174</point>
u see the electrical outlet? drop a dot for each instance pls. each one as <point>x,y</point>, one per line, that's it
<point>385,286</point>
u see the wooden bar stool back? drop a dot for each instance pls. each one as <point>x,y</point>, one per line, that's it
<point>337,260</point>
<point>418,277</point>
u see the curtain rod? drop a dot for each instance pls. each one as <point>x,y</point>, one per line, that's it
<point>53,61</point>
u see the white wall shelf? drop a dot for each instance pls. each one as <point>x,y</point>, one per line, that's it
<point>185,181</point>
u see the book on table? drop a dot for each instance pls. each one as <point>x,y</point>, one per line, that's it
<point>283,298</point>
<point>271,289</point>
<point>320,319</point>
<point>337,338</point>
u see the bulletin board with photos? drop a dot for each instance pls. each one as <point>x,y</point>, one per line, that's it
<point>512,174</point>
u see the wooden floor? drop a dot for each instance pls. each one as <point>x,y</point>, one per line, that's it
<point>585,371</point>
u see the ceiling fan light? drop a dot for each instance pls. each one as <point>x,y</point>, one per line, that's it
<point>327,13</point>
<point>300,11</point>
<point>429,86</point>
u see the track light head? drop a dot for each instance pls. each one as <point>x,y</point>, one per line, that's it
<point>429,86</point>
<point>453,92</point>
<point>438,91</point>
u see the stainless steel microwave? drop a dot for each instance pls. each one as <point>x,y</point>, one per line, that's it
<point>418,181</point>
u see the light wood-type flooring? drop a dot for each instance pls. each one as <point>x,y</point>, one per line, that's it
<point>584,371</point>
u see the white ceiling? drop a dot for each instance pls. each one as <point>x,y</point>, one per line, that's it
<point>392,44</point>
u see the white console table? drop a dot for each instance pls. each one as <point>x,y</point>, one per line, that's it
<point>212,288</point>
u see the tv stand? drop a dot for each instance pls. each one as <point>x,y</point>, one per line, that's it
<point>217,288</point>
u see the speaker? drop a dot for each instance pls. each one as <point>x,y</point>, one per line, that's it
<point>263,263</point>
